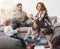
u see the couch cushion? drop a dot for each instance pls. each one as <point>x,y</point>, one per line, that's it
<point>53,19</point>
<point>57,29</point>
<point>9,43</point>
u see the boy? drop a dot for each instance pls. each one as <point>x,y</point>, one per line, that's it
<point>53,38</point>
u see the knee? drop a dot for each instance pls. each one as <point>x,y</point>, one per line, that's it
<point>30,24</point>
<point>22,24</point>
<point>14,26</point>
<point>44,41</point>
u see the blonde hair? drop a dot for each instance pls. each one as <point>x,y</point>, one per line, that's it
<point>7,22</point>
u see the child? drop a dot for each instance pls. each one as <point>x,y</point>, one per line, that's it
<point>34,35</point>
<point>53,38</point>
<point>12,33</point>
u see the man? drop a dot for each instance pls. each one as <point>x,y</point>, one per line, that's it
<point>53,38</point>
<point>19,18</point>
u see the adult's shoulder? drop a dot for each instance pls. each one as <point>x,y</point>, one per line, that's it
<point>24,12</point>
<point>14,13</point>
<point>45,11</point>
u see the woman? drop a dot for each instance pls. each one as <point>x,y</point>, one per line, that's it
<point>42,15</point>
<point>34,36</point>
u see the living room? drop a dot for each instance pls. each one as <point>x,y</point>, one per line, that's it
<point>8,7</point>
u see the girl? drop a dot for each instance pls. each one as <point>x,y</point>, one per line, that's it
<point>34,36</point>
<point>42,15</point>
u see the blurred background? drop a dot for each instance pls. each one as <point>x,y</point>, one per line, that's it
<point>7,7</point>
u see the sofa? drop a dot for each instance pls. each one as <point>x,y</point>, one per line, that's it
<point>53,20</point>
<point>11,43</point>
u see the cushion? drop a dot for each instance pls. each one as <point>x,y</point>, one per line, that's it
<point>9,43</point>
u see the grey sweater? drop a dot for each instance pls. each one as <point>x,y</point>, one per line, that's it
<point>19,16</point>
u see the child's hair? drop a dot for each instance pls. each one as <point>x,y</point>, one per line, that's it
<point>38,25</point>
<point>7,22</point>
<point>48,31</point>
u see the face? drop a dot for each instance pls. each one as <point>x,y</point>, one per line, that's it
<point>48,37</point>
<point>39,7</point>
<point>19,8</point>
<point>34,25</point>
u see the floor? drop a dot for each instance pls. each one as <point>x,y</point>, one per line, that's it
<point>40,47</point>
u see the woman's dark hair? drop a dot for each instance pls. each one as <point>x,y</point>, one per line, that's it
<point>38,25</point>
<point>48,31</point>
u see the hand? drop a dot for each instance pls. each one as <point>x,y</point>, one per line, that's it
<point>18,30</point>
<point>37,39</point>
<point>32,16</point>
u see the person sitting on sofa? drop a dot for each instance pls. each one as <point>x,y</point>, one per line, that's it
<point>53,38</point>
<point>19,17</point>
<point>12,33</point>
<point>42,15</point>
<point>34,36</point>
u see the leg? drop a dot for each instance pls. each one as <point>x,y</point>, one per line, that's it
<point>23,25</point>
<point>14,26</point>
<point>29,40</point>
<point>42,42</point>
<point>30,24</point>
<point>43,25</point>
<point>21,39</point>
<point>57,47</point>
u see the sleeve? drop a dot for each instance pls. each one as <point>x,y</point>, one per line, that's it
<point>26,17</point>
<point>13,31</point>
<point>28,33</point>
<point>13,17</point>
<point>42,16</point>
<point>47,18</point>
<point>36,15</point>
<point>56,40</point>
<point>9,30</point>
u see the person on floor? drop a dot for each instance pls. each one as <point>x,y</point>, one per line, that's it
<point>53,38</point>
<point>34,34</point>
<point>42,15</point>
<point>12,33</point>
<point>19,17</point>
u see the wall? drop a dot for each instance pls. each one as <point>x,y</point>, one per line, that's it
<point>29,6</point>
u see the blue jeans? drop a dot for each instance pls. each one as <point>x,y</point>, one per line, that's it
<point>19,38</point>
<point>14,25</point>
<point>43,25</point>
<point>57,47</point>
<point>41,42</point>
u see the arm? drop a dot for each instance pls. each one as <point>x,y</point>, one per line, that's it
<point>47,18</point>
<point>26,17</point>
<point>13,17</point>
<point>49,41</point>
<point>42,16</point>
<point>50,44</point>
<point>28,34</point>
<point>32,16</point>
<point>9,30</point>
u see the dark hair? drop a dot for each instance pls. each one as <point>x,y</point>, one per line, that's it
<point>48,31</point>
<point>19,4</point>
<point>42,6</point>
<point>38,25</point>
